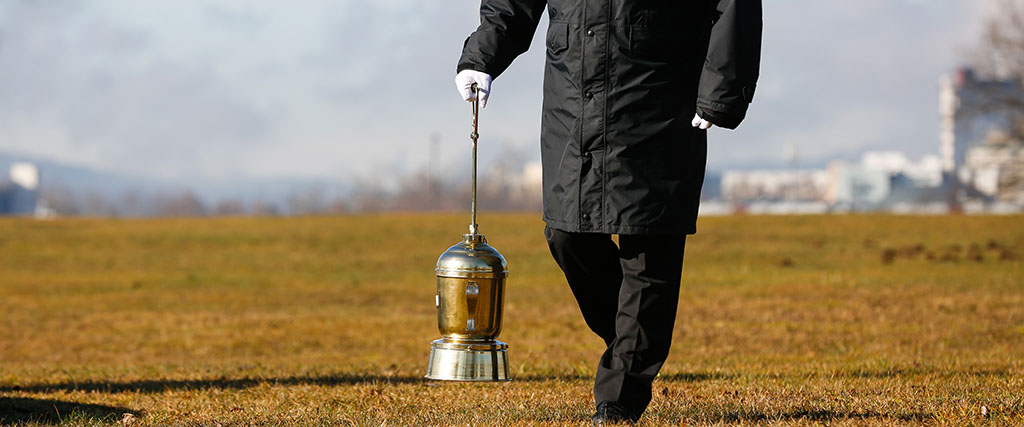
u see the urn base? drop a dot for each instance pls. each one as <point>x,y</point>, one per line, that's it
<point>468,360</point>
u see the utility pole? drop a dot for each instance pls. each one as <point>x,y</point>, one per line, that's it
<point>434,172</point>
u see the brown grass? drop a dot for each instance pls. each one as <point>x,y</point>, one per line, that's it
<point>325,321</point>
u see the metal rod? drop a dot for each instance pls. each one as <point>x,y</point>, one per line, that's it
<point>473,228</point>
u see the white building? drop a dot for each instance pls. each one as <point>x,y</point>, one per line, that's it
<point>997,172</point>
<point>20,195</point>
<point>879,181</point>
<point>926,172</point>
<point>883,178</point>
<point>775,185</point>
<point>519,189</point>
<point>857,186</point>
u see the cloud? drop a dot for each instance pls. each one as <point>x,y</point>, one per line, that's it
<point>81,81</point>
<point>352,88</point>
<point>844,76</point>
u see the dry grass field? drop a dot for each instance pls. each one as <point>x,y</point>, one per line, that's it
<point>859,320</point>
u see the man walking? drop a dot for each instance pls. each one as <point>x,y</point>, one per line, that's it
<point>630,87</point>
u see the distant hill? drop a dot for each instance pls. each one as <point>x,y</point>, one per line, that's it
<point>80,178</point>
<point>101,192</point>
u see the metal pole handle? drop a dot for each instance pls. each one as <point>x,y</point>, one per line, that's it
<point>473,228</point>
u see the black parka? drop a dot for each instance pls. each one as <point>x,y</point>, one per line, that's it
<point>622,81</point>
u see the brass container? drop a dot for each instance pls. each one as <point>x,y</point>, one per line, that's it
<point>470,294</point>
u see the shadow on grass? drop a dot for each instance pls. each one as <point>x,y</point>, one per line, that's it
<point>160,385</point>
<point>18,410</point>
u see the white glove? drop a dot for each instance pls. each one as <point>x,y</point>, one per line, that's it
<point>464,83</point>
<point>701,123</point>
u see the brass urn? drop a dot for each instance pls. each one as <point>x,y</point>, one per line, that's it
<point>470,294</point>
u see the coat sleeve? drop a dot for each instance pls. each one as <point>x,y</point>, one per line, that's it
<point>734,57</point>
<point>505,31</point>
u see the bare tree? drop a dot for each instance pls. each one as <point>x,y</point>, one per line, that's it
<point>1000,54</point>
<point>265,208</point>
<point>417,192</point>
<point>95,203</point>
<point>308,201</point>
<point>61,199</point>
<point>369,195</point>
<point>229,207</point>
<point>185,203</point>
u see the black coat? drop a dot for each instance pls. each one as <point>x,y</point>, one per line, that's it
<point>622,81</point>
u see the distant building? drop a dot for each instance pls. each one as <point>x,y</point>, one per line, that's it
<point>857,187</point>
<point>882,180</point>
<point>19,195</point>
<point>997,172</point>
<point>774,185</point>
<point>980,166</point>
<point>925,173</point>
<point>510,188</point>
<point>981,161</point>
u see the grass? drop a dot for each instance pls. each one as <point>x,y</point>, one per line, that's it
<point>858,320</point>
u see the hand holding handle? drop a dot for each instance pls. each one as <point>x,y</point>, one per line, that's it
<point>466,79</point>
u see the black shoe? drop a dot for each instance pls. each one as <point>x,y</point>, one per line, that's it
<point>613,413</point>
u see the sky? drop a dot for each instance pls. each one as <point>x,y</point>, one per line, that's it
<point>199,91</point>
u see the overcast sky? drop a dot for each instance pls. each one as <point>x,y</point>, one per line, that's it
<point>333,89</point>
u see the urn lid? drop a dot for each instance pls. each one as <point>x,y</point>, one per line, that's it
<point>472,257</point>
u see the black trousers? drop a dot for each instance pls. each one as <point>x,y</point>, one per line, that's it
<point>628,295</point>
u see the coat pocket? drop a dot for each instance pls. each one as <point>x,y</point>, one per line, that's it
<point>643,41</point>
<point>558,37</point>
<point>653,43</point>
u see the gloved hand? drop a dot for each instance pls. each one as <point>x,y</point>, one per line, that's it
<point>701,123</point>
<point>464,83</point>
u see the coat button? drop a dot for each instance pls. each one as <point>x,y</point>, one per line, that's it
<point>589,95</point>
<point>591,33</point>
<point>586,217</point>
<point>586,155</point>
